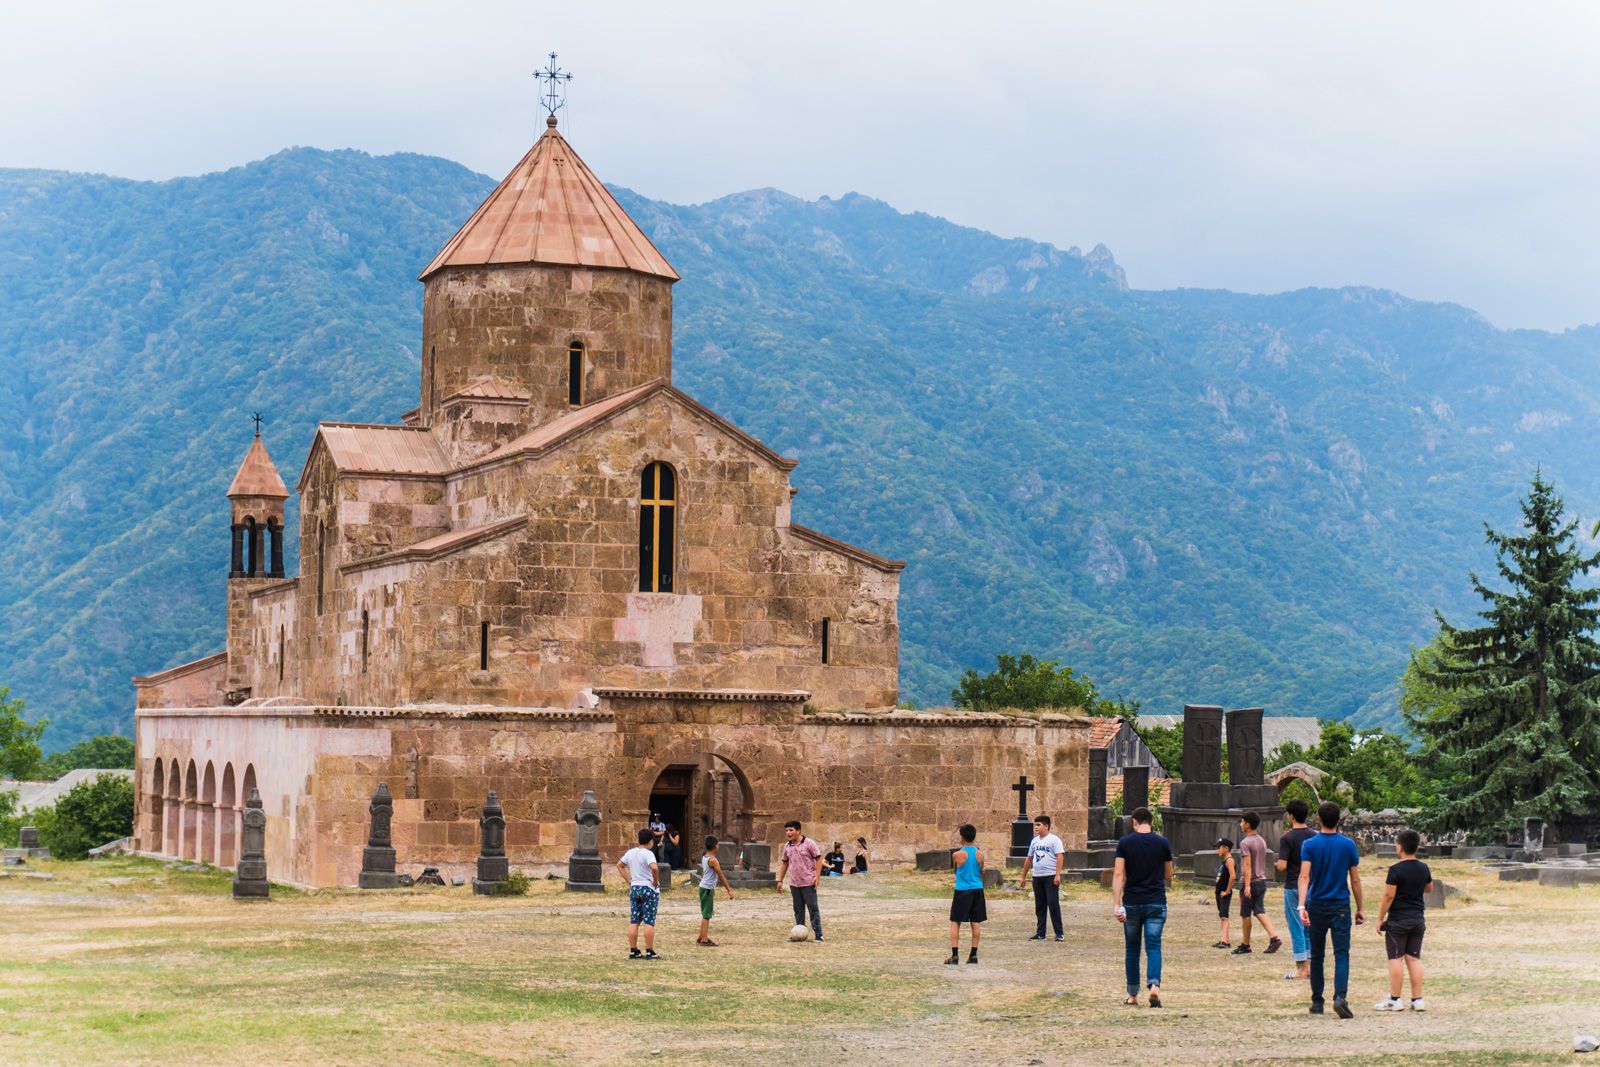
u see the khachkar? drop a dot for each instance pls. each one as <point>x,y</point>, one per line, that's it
<point>377,859</point>
<point>1021,826</point>
<point>1135,795</point>
<point>584,865</point>
<point>493,867</point>
<point>1100,824</point>
<point>250,880</point>
<point>1203,807</point>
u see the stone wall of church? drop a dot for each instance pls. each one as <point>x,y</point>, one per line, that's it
<point>903,780</point>
<point>515,324</point>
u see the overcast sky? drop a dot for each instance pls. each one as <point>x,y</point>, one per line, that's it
<point>1449,151</point>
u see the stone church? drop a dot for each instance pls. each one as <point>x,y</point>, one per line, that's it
<point>558,572</point>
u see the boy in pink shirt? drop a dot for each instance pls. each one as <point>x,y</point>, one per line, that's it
<point>799,863</point>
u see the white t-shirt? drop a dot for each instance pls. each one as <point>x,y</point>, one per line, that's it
<point>1043,851</point>
<point>639,861</point>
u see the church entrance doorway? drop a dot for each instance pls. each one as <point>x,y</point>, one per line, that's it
<point>710,796</point>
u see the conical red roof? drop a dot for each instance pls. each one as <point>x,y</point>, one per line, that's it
<point>552,209</point>
<point>257,476</point>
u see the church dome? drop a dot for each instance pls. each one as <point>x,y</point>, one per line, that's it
<point>551,209</point>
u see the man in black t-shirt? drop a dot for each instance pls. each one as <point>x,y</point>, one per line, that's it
<point>1289,863</point>
<point>1139,900</point>
<point>1400,920</point>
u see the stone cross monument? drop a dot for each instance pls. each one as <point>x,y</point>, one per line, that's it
<point>583,865</point>
<point>1100,827</point>
<point>377,859</point>
<point>250,880</point>
<point>1021,826</point>
<point>493,867</point>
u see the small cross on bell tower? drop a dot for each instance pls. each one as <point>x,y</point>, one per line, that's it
<point>552,89</point>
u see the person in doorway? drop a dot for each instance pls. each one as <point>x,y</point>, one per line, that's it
<point>1400,919</point>
<point>1139,879</point>
<point>799,863</point>
<point>1289,863</point>
<point>710,876</point>
<point>860,864</point>
<point>1328,879</point>
<point>835,860</point>
<point>638,865</point>
<point>1227,878</point>
<point>658,833</point>
<point>672,848</point>
<point>1044,861</point>
<point>1253,884</point>
<point>967,905</point>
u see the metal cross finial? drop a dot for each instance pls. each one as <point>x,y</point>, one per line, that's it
<point>553,87</point>
<point>257,418</point>
<point>1023,788</point>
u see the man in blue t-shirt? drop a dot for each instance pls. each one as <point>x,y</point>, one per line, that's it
<point>1327,859</point>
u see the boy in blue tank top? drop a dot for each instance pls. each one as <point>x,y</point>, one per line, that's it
<point>967,906</point>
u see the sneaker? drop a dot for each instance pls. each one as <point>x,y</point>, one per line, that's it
<point>1417,1005</point>
<point>1291,976</point>
<point>634,954</point>
<point>707,943</point>
<point>1341,1008</point>
<point>1036,937</point>
<point>1274,945</point>
<point>1316,1009</point>
<point>650,954</point>
<point>818,939</point>
<point>972,957</point>
<point>952,960</point>
<point>1061,937</point>
<point>1390,1004</point>
<point>1243,950</point>
<point>1222,944</point>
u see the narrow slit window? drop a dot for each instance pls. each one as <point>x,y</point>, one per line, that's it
<point>280,653</point>
<point>658,514</point>
<point>366,638</point>
<point>827,634</point>
<point>575,374</point>
<point>483,646</point>
<point>322,562</point>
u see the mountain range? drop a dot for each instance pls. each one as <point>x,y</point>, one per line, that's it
<point>1189,495</point>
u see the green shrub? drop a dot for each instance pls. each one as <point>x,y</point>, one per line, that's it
<point>91,814</point>
<point>516,884</point>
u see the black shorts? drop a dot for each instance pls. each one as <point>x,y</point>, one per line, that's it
<point>968,906</point>
<point>1404,938</point>
<point>1255,901</point>
<point>1224,902</point>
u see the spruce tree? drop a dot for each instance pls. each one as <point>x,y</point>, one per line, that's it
<point>1523,736</point>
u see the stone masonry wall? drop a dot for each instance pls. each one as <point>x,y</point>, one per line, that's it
<point>515,324</point>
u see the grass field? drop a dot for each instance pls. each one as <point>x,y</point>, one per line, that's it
<point>128,961</point>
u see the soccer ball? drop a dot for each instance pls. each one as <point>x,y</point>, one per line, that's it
<point>799,933</point>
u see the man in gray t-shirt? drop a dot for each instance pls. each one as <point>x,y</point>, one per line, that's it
<point>1253,875</point>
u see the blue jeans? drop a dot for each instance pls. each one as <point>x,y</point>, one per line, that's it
<point>1325,919</point>
<point>1144,920</point>
<point>1297,930</point>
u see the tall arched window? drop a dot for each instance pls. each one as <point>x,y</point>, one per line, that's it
<point>575,373</point>
<point>658,515</point>
<point>252,549</point>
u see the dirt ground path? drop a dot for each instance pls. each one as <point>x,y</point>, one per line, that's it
<point>131,962</point>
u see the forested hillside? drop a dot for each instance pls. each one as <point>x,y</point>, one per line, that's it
<point>1188,495</point>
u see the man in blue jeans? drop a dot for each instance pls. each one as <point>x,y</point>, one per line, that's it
<point>1327,859</point>
<point>1289,863</point>
<point>1139,898</point>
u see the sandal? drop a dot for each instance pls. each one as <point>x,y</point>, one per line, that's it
<point>1131,1002</point>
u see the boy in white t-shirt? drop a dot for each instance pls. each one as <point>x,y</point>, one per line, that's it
<point>1044,860</point>
<point>638,866</point>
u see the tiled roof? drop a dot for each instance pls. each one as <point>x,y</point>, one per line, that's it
<point>488,389</point>
<point>1158,789</point>
<point>257,476</point>
<point>552,209</point>
<point>1104,732</point>
<point>397,450</point>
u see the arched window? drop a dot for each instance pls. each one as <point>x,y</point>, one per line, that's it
<point>575,373</point>
<point>658,514</point>
<point>252,547</point>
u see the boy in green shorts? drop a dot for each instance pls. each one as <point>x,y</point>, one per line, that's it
<point>710,875</point>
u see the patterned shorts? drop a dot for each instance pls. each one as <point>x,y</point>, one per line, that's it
<point>642,901</point>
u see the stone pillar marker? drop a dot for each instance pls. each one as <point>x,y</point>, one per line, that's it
<point>1202,743</point>
<point>1246,761</point>
<point>1532,841</point>
<point>1021,826</point>
<point>28,837</point>
<point>493,867</point>
<point>583,865</point>
<point>378,859</point>
<point>250,880</point>
<point>1135,789</point>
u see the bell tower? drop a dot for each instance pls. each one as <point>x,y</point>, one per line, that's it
<point>547,299</point>
<point>256,498</point>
